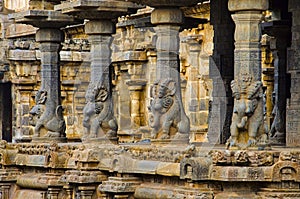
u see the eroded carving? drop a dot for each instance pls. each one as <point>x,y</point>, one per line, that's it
<point>165,113</point>
<point>98,113</point>
<point>247,120</point>
<point>46,117</point>
<point>277,130</point>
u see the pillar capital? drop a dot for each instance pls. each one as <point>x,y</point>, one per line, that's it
<point>49,35</point>
<point>167,16</point>
<point>247,5</point>
<point>99,27</point>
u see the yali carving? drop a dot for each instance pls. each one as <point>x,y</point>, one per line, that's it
<point>47,118</point>
<point>247,120</point>
<point>98,113</point>
<point>164,111</point>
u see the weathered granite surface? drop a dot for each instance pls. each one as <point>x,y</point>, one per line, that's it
<point>155,74</point>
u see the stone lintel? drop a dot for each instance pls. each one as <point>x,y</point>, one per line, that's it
<point>19,30</point>
<point>43,18</point>
<point>248,5</point>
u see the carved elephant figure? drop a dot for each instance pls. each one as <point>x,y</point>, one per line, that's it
<point>47,116</point>
<point>98,113</point>
<point>164,109</point>
<point>247,115</point>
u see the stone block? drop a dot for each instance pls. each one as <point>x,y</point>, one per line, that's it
<point>247,5</point>
<point>99,27</point>
<point>166,16</point>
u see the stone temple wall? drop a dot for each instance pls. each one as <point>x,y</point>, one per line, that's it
<point>132,99</point>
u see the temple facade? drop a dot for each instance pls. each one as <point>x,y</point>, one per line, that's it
<point>150,99</point>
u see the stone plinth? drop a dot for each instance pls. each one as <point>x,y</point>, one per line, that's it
<point>247,128</point>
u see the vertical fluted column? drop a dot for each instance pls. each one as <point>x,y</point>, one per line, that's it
<point>167,86</point>
<point>247,127</point>
<point>98,113</point>
<point>293,106</point>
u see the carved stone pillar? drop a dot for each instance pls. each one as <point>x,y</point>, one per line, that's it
<point>281,43</point>
<point>48,122</point>
<point>4,190</point>
<point>86,192</point>
<point>51,123</point>
<point>136,88</point>
<point>293,105</point>
<point>280,29</point>
<point>268,76</point>
<point>98,96</point>
<point>53,193</point>
<point>98,115</point>
<point>166,92</point>
<point>247,129</point>
<point>69,190</point>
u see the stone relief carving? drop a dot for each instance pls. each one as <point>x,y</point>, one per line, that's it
<point>98,113</point>
<point>277,130</point>
<point>46,117</point>
<point>164,110</point>
<point>247,120</point>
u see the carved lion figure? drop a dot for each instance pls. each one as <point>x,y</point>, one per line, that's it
<point>98,113</point>
<point>48,117</point>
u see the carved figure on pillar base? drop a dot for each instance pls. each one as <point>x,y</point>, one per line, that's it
<point>98,113</point>
<point>277,130</point>
<point>247,129</point>
<point>47,119</point>
<point>165,113</point>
